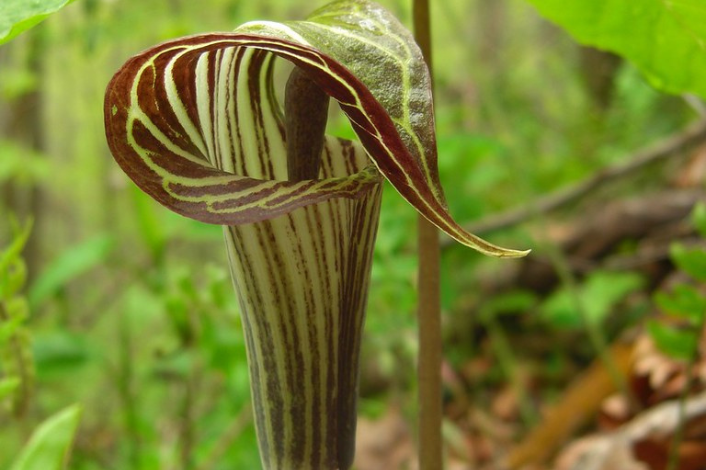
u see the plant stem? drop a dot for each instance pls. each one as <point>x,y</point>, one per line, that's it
<point>305,113</point>
<point>429,365</point>
<point>429,313</point>
<point>191,383</point>
<point>187,424</point>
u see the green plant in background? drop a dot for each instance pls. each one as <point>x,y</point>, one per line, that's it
<point>17,16</point>
<point>685,303</point>
<point>20,165</point>
<point>49,445</point>
<point>598,295</point>
<point>16,361</point>
<point>197,310</point>
<point>663,39</point>
<point>75,261</point>
<point>195,124</point>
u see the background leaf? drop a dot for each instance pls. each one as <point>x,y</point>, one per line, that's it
<point>50,443</point>
<point>19,15</point>
<point>690,260</point>
<point>8,386</point>
<point>59,352</point>
<point>72,263</point>
<point>598,295</point>
<point>665,40</point>
<point>683,301</point>
<point>699,219</point>
<point>679,344</point>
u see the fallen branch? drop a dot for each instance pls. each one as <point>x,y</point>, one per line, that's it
<point>650,221</point>
<point>692,135</point>
<point>581,402</point>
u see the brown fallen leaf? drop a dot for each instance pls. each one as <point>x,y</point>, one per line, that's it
<point>385,444</point>
<point>643,443</point>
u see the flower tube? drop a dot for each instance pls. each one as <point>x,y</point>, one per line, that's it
<point>195,123</point>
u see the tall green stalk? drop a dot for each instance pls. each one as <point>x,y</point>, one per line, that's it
<point>429,311</point>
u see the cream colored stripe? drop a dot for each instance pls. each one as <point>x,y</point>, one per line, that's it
<point>178,106</point>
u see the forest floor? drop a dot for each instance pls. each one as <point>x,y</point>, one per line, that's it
<point>617,400</point>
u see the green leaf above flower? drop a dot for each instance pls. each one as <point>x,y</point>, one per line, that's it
<point>666,40</point>
<point>17,16</point>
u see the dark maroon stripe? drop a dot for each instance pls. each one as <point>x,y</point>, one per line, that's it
<point>184,76</point>
<point>163,115</point>
<point>183,73</point>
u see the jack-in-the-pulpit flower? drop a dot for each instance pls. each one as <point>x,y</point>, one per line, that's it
<point>196,124</point>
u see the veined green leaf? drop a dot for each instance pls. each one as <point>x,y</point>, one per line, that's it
<point>49,446</point>
<point>19,15</point>
<point>195,123</point>
<point>666,40</point>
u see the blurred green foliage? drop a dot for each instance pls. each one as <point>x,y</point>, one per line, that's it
<point>73,262</point>
<point>671,52</point>
<point>133,313</point>
<point>49,445</point>
<point>17,16</point>
<point>685,303</point>
<point>598,294</point>
<point>16,363</point>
